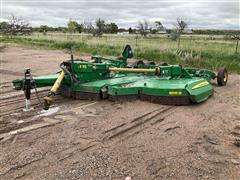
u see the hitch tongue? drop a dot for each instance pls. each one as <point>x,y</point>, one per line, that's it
<point>49,98</point>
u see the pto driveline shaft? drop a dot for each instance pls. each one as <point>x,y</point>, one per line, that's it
<point>136,70</point>
<point>49,99</point>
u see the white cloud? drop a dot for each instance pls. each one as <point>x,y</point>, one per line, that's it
<point>223,14</point>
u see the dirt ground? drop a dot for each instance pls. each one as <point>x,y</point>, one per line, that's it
<point>113,140</point>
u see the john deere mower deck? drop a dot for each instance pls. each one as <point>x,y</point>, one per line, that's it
<point>112,78</point>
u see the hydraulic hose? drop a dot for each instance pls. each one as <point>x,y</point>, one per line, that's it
<point>72,77</point>
<point>49,98</point>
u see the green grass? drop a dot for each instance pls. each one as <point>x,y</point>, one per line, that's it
<point>195,52</point>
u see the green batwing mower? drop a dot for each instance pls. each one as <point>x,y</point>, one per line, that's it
<point>114,79</point>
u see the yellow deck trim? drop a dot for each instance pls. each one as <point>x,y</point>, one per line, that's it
<point>202,84</point>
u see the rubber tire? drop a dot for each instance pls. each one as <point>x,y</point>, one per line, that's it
<point>164,64</point>
<point>221,77</point>
<point>152,63</point>
<point>140,62</point>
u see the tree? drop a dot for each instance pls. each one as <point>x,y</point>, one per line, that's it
<point>79,27</point>
<point>174,35</point>
<point>237,38</point>
<point>180,27</point>
<point>3,26</point>
<point>143,27</point>
<point>88,27</point>
<point>111,28</point>
<point>72,26</point>
<point>130,31</point>
<point>100,25</point>
<point>15,26</point>
<point>44,29</point>
<point>62,29</point>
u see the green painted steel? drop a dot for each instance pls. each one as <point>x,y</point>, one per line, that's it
<point>96,77</point>
<point>39,81</point>
<point>97,86</point>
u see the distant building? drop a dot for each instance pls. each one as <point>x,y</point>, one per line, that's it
<point>123,33</point>
<point>188,31</point>
<point>161,31</point>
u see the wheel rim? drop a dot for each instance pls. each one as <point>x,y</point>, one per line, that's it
<point>225,77</point>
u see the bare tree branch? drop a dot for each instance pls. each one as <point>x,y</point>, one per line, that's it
<point>15,26</point>
<point>143,27</point>
<point>181,26</point>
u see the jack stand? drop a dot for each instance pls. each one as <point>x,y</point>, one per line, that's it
<point>27,106</point>
<point>27,90</point>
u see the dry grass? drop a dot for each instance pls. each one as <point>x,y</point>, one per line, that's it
<point>198,51</point>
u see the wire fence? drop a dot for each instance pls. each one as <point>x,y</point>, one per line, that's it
<point>154,42</point>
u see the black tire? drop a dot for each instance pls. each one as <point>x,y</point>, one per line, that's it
<point>152,63</point>
<point>164,64</point>
<point>140,62</point>
<point>222,77</point>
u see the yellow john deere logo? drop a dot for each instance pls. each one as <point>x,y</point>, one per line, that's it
<point>175,92</point>
<point>204,83</point>
<point>83,66</point>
